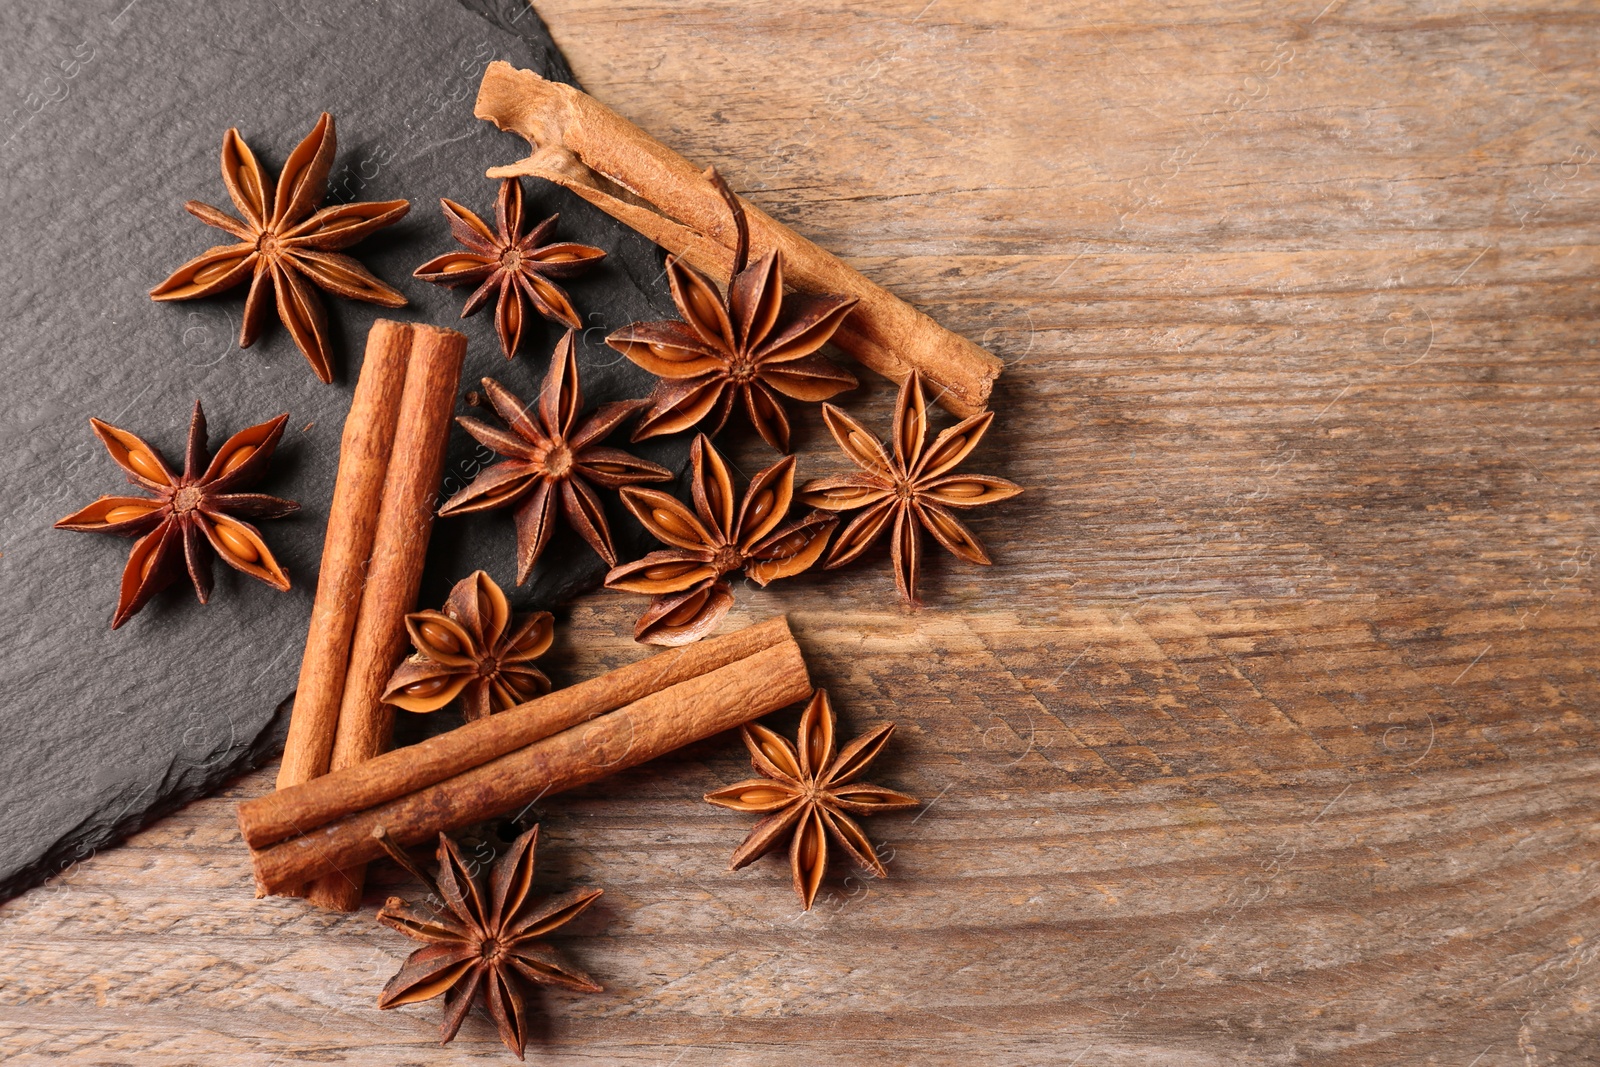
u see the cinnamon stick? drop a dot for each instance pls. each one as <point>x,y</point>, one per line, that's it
<point>399,543</point>
<point>583,145</point>
<point>649,727</point>
<point>299,809</point>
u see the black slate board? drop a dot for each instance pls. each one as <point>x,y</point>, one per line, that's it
<point>115,117</point>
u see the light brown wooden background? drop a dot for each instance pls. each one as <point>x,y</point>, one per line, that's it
<point>1270,739</point>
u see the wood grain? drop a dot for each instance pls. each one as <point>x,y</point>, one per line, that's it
<point>1270,739</point>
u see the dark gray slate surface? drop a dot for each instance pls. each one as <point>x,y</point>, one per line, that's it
<point>113,115</point>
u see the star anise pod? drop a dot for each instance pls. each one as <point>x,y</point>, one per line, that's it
<point>808,794</point>
<point>718,537</point>
<point>510,265</point>
<point>472,650</point>
<point>485,943</point>
<point>754,343</point>
<point>286,247</point>
<point>913,488</point>
<point>552,455</point>
<point>191,514</point>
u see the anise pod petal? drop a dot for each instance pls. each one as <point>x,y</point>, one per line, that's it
<point>551,300</point>
<point>700,304</point>
<point>765,835</point>
<point>856,441</point>
<point>241,547</point>
<point>442,639</point>
<point>860,798</point>
<point>508,315</point>
<point>197,561</point>
<point>586,515</point>
<point>529,639</point>
<point>771,753</point>
<point>248,185</point>
<point>712,490</point>
<point>212,216</point>
<point>253,505</point>
<point>847,833</point>
<point>480,605</point>
<point>152,566</point>
<point>810,378</point>
<point>467,228</point>
<point>614,468</point>
<point>258,303</point>
<point>560,396</point>
<point>477,699</point>
<point>243,458</point>
<point>684,618</point>
<point>755,795</point>
<point>428,972</point>
<point>496,281</point>
<point>505,1007</point>
<point>534,238</point>
<point>551,914</point>
<point>422,926</point>
<point>514,412</point>
<point>766,415</point>
<point>457,268</point>
<point>791,549</point>
<point>676,406</point>
<point>342,225</point>
<point>124,516</point>
<point>814,742</point>
<point>668,349</point>
<point>517,684</point>
<point>952,533</point>
<point>508,208</point>
<point>212,271</point>
<point>665,517</point>
<point>811,322</point>
<point>303,181</point>
<point>502,441</point>
<point>905,554</point>
<point>842,494</point>
<point>459,889</point>
<point>512,877</point>
<point>566,259</point>
<point>129,451</point>
<point>910,422</point>
<point>495,487</point>
<point>755,298</point>
<point>423,685</point>
<point>602,422</point>
<point>952,446</point>
<point>863,530</point>
<point>300,310</point>
<point>667,571</point>
<point>458,1001</point>
<point>539,963</point>
<point>967,490</point>
<point>344,275</point>
<point>534,519</point>
<point>857,755</point>
<point>766,502</point>
<point>808,856</point>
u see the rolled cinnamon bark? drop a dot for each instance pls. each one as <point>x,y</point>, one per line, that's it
<point>649,727</point>
<point>583,145</point>
<point>399,544</point>
<point>267,820</point>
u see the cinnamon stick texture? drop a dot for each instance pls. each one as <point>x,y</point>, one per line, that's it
<point>299,809</point>
<point>649,727</point>
<point>399,544</point>
<point>364,451</point>
<point>583,145</point>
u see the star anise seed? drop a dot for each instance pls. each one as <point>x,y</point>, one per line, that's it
<point>754,343</point>
<point>912,488</point>
<point>286,247</point>
<point>719,536</point>
<point>472,650</point>
<point>808,794</point>
<point>514,267</point>
<point>552,455</point>
<point>191,514</point>
<point>486,943</point>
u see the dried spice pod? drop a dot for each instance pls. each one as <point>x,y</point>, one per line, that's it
<point>552,456</point>
<point>191,515</point>
<point>754,344</point>
<point>808,792</point>
<point>472,650</point>
<point>286,247</point>
<point>486,943</point>
<point>721,535</point>
<point>911,488</point>
<point>516,268</point>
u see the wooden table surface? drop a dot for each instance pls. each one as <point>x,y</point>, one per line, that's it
<point>1269,739</point>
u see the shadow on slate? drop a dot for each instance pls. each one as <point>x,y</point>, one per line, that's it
<point>116,118</point>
